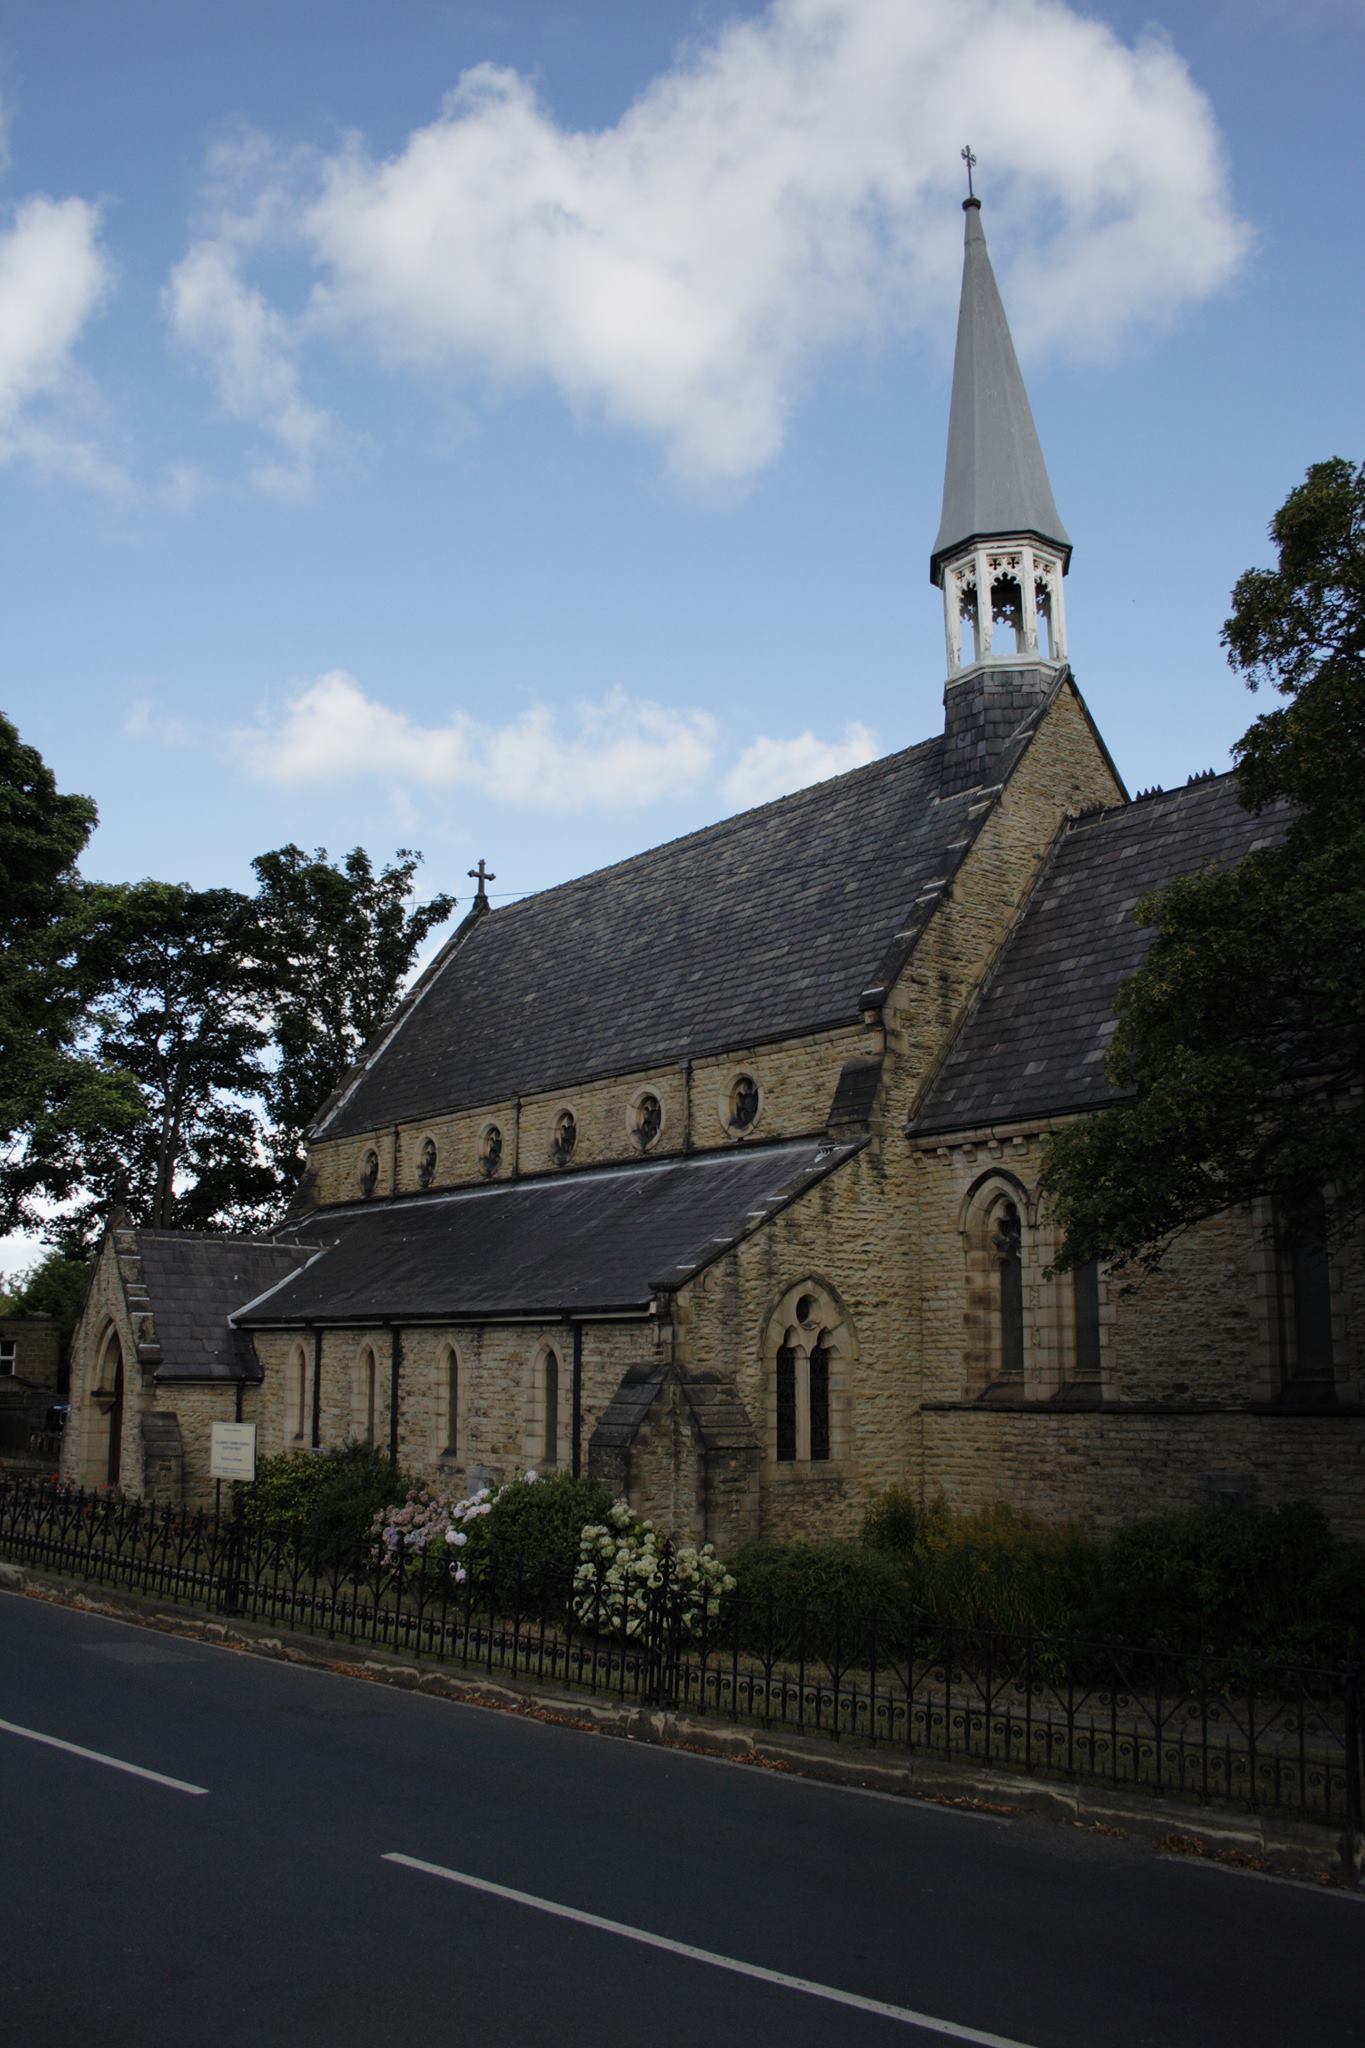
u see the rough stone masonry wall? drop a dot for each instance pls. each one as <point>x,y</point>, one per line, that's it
<point>796,1079</point>
<point>500,1424</point>
<point>37,1349</point>
<point>1185,1355</point>
<point>856,1230</point>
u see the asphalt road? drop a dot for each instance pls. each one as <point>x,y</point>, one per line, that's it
<point>556,1886</point>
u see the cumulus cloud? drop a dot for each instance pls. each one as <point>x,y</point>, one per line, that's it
<point>249,349</point>
<point>769,768</point>
<point>53,276</point>
<point>788,185</point>
<point>618,753</point>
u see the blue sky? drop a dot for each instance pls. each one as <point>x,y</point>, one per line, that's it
<point>517,430</point>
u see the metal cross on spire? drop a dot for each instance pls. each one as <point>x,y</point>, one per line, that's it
<point>483,875</point>
<point>969,160</point>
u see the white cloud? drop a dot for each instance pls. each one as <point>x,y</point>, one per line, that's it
<point>788,185</point>
<point>619,753</point>
<point>249,349</point>
<point>769,768</point>
<point>53,276</point>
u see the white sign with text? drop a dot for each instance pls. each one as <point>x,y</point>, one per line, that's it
<point>232,1451</point>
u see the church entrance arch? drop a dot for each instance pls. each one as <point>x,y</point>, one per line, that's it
<point>104,1462</point>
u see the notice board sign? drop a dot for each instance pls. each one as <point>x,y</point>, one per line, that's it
<point>232,1450</point>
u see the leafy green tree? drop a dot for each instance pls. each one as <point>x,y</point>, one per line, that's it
<point>335,942</point>
<point>178,1007</point>
<point>54,1095</point>
<point>54,1287</point>
<point>1241,1039</point>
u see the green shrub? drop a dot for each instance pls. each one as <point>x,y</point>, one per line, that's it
<point>892,1522</point>
<point>1000,1569</point>
<point>325,1504</point>
<point>1268,1581</point>
<point>532,1533</point>
<point>832,1601</point>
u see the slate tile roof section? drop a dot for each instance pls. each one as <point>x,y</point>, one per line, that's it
<point>610,1238</point>
<point>1035,1042</point>
<point>766,925</point>
<point>193,1284</point>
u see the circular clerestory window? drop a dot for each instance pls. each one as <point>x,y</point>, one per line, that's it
<point>426,1163</point>
<point>744,1103</point>
<point>369,1173</point>
<point>565,1137</point>
<point>647,1120</point>
<point>490,1150</point>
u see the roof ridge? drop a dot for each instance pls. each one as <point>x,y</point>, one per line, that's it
<point>883,763</point>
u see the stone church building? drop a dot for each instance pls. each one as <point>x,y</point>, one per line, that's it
<point>715,1173</point>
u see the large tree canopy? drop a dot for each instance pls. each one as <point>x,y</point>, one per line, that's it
<point>335,942</point>
<point>165,1048</point>
<point>52,1093</point>
<point>1241,1040</point>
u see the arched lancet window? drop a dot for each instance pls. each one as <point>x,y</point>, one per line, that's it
<point>449,1431</point>
<point>810,1351</point>
<point>296,1421</point>
<point>1007,1243</point>
<point>366,1395</point>
<point>1085,1296</point>
<point>1000,1262</point>
<point>550,1450</point>
<point>1306,1290</point>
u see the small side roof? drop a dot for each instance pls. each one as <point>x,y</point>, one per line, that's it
<point>1035,1042</point>
<point>609,1238</point>
<point>193,1283</point>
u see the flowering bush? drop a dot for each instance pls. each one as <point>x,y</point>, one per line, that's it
<point>622,1561</point>
<point>516,1542</point>
<point>432,1528</point>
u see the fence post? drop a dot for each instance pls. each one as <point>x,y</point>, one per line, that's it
<point>1352,1844</point>
<point>233,1553</point>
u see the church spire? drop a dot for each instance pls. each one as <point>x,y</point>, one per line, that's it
<point>1000,536</point>
<point>1001,551</point>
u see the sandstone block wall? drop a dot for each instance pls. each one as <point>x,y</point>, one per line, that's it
<point>500,1421</point>
<point>796,1079</point>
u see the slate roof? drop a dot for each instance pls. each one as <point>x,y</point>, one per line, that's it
<point>1035,1042</point>
<point>766,925</point>
<point>193,1284</point>
<point>995,480</point>
<point>602,1239</point>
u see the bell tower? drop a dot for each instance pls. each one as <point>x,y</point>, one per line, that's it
<point>1002,551</point>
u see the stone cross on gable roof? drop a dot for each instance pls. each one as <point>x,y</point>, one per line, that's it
<point>483,875</point>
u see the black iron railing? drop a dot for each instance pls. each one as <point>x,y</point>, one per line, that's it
<point>1242,1727</point>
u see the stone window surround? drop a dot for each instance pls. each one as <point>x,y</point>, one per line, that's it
<point>725,1104</point>
<point>1050,1363</point>
<point>450,1397</point>
<point>367,1181</point>
<point>296,1395</point>
<point>427,1178</point>
<point>365,1394</point>
<point>535,1437</point>
<point>559,1154</point>
<point>828,1324</point>
<point>1273,1375</point>
<point>648,1093</point>
<point>488,1130</point>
